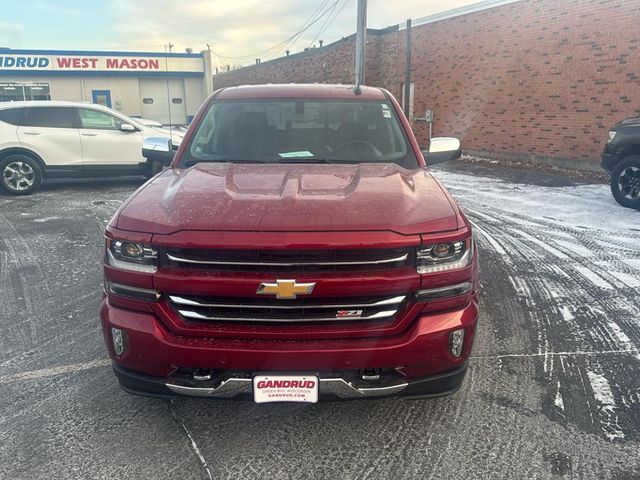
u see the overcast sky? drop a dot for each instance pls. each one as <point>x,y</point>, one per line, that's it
<point>237,30</point>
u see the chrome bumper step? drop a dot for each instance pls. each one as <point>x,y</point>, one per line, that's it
<point>337,386</point>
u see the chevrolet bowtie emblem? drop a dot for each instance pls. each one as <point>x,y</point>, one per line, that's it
<point>285,289</point>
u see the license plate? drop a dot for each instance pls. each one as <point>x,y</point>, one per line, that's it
<point>285,388</point>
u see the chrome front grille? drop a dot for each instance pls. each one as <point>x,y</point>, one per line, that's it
<point>276,261</point>
<point>307,310</point>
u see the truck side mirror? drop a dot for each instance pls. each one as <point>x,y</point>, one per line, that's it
<point>158,149</point>
<point>442,149</point>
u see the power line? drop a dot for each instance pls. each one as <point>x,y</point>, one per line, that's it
<point>291,41</point>
<point>315,17</point>
<point>330,19</point>
<point>327,12</point>
<point>312,20</point>
<point>327,20</point>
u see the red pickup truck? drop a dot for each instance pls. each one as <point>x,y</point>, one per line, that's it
<point>297,249</point>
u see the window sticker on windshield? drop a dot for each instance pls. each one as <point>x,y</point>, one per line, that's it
<point>303,154</point>
<point>386,113</point>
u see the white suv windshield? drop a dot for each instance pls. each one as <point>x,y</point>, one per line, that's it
<point>313,131</point>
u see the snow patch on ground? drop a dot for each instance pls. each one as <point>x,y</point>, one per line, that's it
<point>553,251</point>
<point>492,241</point>
<point>567,314</point>
<point>627,279</point>
<point>632,262</point>
<point>559,402</point>
<point>576,248</point>
<point>574,251</point>
<point>622,340</point>
<point>589,207</point>
<point>593,277</point>
<point>607,405</point>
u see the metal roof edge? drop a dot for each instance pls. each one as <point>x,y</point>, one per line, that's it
<point>457,12</point>
<point>96,53</point>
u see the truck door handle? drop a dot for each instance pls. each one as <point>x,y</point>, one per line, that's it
<point>89,134</point>
<point>31,132</point>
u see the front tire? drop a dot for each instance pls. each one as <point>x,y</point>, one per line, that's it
<point>19,175</point>
<point>625,182</point>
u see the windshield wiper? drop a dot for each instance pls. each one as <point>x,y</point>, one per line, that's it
<point>313,160</point>
<point>306,160</point>
<point>221,159</point>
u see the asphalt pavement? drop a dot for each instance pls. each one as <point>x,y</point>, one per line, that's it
<point>553,388</point>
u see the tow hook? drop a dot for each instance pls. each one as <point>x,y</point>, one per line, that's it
<point>370,374</point>
<point>202,374</point>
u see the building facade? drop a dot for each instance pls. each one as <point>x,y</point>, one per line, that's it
<point>166,87</point>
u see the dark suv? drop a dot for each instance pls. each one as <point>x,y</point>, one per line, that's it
<point>621,158</point>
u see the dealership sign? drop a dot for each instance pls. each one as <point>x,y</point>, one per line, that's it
<point>24,62</point>
<point>99,62</point>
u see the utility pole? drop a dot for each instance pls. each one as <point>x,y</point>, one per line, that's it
<point>166,68</point>
<point>407,73</point>
<point>361,39</point>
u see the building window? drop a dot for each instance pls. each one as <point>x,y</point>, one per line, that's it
<point>147,101</point>
<point>176,101</point>
<point>10,92</point>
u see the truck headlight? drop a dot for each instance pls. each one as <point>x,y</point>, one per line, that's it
<point>612,135</point>
<point>445,256</point>
<point>133,256</point>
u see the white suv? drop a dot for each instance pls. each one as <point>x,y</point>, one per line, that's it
<point>49,139</point>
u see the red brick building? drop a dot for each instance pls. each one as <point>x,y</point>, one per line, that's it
<point>537,80</point>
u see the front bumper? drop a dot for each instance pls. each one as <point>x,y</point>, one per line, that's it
<point>608,161</point>
<point>420,360</point>
<point>339,386</point>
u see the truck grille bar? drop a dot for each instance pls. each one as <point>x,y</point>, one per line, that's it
<point>175,258</point>
<point>379,303</point>
<point>199,316</point>
<point>287,260</point>
<point>250,310</point>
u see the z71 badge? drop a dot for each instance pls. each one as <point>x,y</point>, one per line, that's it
<point>348,313</point>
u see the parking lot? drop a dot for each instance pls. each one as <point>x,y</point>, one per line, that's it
<point>553,389</point>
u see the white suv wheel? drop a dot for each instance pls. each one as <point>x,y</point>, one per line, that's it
<point>19,175</point>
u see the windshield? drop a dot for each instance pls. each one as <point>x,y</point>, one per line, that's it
<point>287,131</point>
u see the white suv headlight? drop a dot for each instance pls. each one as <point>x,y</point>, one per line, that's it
<point>445,256</point>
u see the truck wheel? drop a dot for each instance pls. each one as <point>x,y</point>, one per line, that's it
<point>19,175</point>
<point>625,182</point>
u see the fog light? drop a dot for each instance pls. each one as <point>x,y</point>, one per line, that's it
<point>456,340</point>
<point>119,339</point>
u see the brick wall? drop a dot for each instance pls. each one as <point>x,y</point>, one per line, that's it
<point>538,80</point>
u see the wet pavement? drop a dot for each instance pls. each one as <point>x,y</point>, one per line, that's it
<point>553,388</point>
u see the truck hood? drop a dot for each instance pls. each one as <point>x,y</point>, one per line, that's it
<point>290,197</point>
